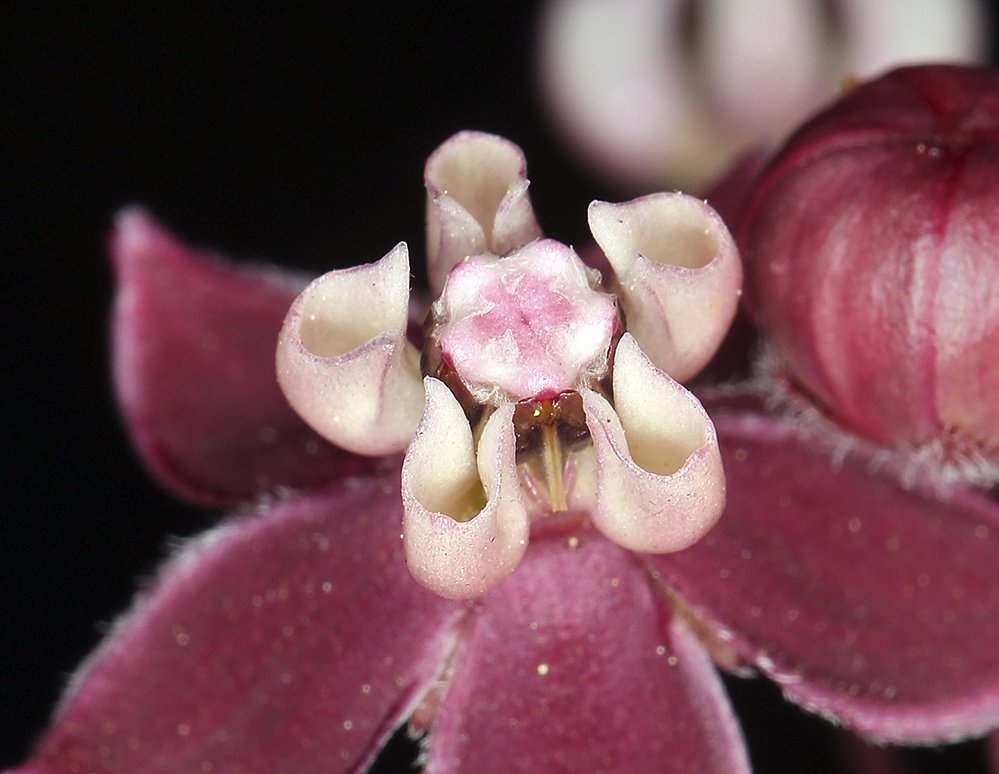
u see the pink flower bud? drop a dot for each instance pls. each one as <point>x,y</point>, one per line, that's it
<point>873,246</point>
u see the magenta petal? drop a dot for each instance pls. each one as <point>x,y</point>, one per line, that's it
<point>194,341</point>
<point>294,641</point>
<point>867,602</point>
<point>572,665</point>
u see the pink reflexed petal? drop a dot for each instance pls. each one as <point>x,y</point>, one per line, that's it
<point>465,526</point>
<point>477,201</point>
<point>573,665</point>
<point>866,602</point>
<point>678,272</point>
<point>343,359</point>
<point>294,641</point>
<point>193,341</point>
<point>660,483</point>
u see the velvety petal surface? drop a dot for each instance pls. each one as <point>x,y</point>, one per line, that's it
<point>573,665</point>
<point>867,602</point>
<point>193,343</point>
<point>294,641</point>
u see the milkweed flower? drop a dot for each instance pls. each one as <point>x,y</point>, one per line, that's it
<point>497,579</point>
<point>536,399</point>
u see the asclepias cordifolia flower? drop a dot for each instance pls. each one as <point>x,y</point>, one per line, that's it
<point>294,638</point>
<point>872,245</point>
<point>539,409</point>
<point>656,91</point>
<point>541,430</point>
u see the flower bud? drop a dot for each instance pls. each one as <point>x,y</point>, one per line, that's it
<point>872,242</point>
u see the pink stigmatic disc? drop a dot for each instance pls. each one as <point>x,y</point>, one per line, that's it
<point>529,325</point>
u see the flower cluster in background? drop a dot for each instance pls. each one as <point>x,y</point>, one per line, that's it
<point>669,92</point>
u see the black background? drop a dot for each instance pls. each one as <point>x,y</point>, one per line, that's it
<point>299,136</point>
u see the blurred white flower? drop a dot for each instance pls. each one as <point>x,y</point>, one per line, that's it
<point>669,91</point>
